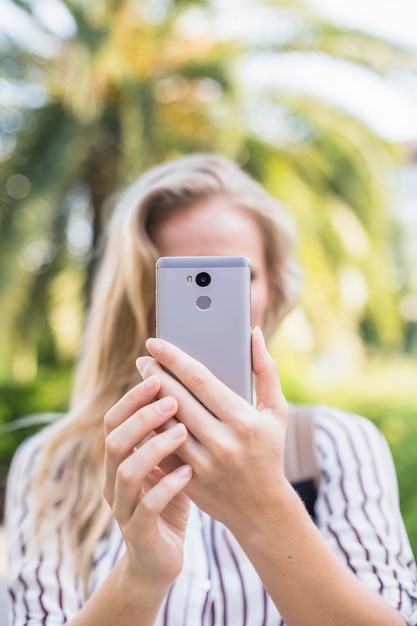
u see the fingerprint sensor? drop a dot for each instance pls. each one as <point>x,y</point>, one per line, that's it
<point>203,303</point>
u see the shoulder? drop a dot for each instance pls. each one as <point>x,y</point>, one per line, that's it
<point>348,444</point>
<point>336,430</point>
<point>21,469</point>
<point>28,451</point>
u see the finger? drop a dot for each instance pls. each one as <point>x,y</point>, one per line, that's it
<point>122,440</point>
<point>161,496</point>
<point>132,472</point>
<point>169,384</point>
<point>137,397</point>
<point>190,412</point>
<point>209,390</point>
<point>203,427</point>
<point>267,383</point>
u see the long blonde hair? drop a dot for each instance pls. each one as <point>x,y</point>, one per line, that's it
<point>119,321</point>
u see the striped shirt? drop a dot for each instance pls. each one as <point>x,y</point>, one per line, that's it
<point>356,510</point>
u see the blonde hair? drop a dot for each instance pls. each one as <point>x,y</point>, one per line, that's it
<point>119,321</point>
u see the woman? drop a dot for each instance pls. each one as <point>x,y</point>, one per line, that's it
<point>198,524</point>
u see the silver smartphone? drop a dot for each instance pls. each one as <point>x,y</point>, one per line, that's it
<point>203,306</point>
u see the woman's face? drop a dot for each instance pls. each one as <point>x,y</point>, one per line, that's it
<point>215,227</point>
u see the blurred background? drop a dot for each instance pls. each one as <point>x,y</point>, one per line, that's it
<point>317,100</point>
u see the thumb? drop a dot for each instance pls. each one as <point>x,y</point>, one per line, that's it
<point>267,384</point>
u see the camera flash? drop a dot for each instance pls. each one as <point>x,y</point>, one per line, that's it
<point>189,279</point>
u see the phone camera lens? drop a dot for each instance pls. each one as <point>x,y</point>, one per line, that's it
<point>203,279</point>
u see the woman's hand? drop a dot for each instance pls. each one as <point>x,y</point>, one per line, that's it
<point>235,450</point>
<point>148,504</point>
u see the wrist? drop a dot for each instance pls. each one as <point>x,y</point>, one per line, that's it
<point>124,598</point>
<point>272,520</point>
<point>141,588</point>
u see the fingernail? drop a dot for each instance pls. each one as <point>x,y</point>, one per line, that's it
<point>149,383</point>
<point>257,331</point>
<point>176,432</point>
<point>166,405</point>
<point>184,471</point>
<point>141,363</point>
<point>154,346</point>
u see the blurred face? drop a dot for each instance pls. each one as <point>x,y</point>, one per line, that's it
<point>215,227</point>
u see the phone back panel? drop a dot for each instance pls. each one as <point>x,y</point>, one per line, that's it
<point>211,323</point>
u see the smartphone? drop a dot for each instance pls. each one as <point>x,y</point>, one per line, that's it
<point>203,306</point>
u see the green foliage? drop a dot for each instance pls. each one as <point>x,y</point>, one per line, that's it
<point>49,394</point>
<point>382,390</point>
<point>137,83</point>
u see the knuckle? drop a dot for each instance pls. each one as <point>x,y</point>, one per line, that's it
<point>271,364</point>
<point>247,430</point>
<point>198,378</point>
<point>112,444</point>
<point>148,505</point>
<point>108,421</point>
<point>228,451</point>
<point>125,475</point>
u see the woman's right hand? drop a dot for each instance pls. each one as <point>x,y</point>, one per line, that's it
<point>149,506</point>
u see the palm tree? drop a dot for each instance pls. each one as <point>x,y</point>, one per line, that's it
<point>136,83</point>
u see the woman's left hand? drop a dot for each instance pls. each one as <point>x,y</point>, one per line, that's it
<point>236,450</point>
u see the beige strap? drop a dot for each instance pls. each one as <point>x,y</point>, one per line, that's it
<point>300,459</point>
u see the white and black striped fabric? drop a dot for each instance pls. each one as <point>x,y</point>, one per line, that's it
<point>356,510</point>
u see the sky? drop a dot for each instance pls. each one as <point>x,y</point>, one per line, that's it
<point>391,110</point>
<point>391,18</point>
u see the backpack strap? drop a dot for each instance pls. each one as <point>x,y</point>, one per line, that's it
<point>301,464</point>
